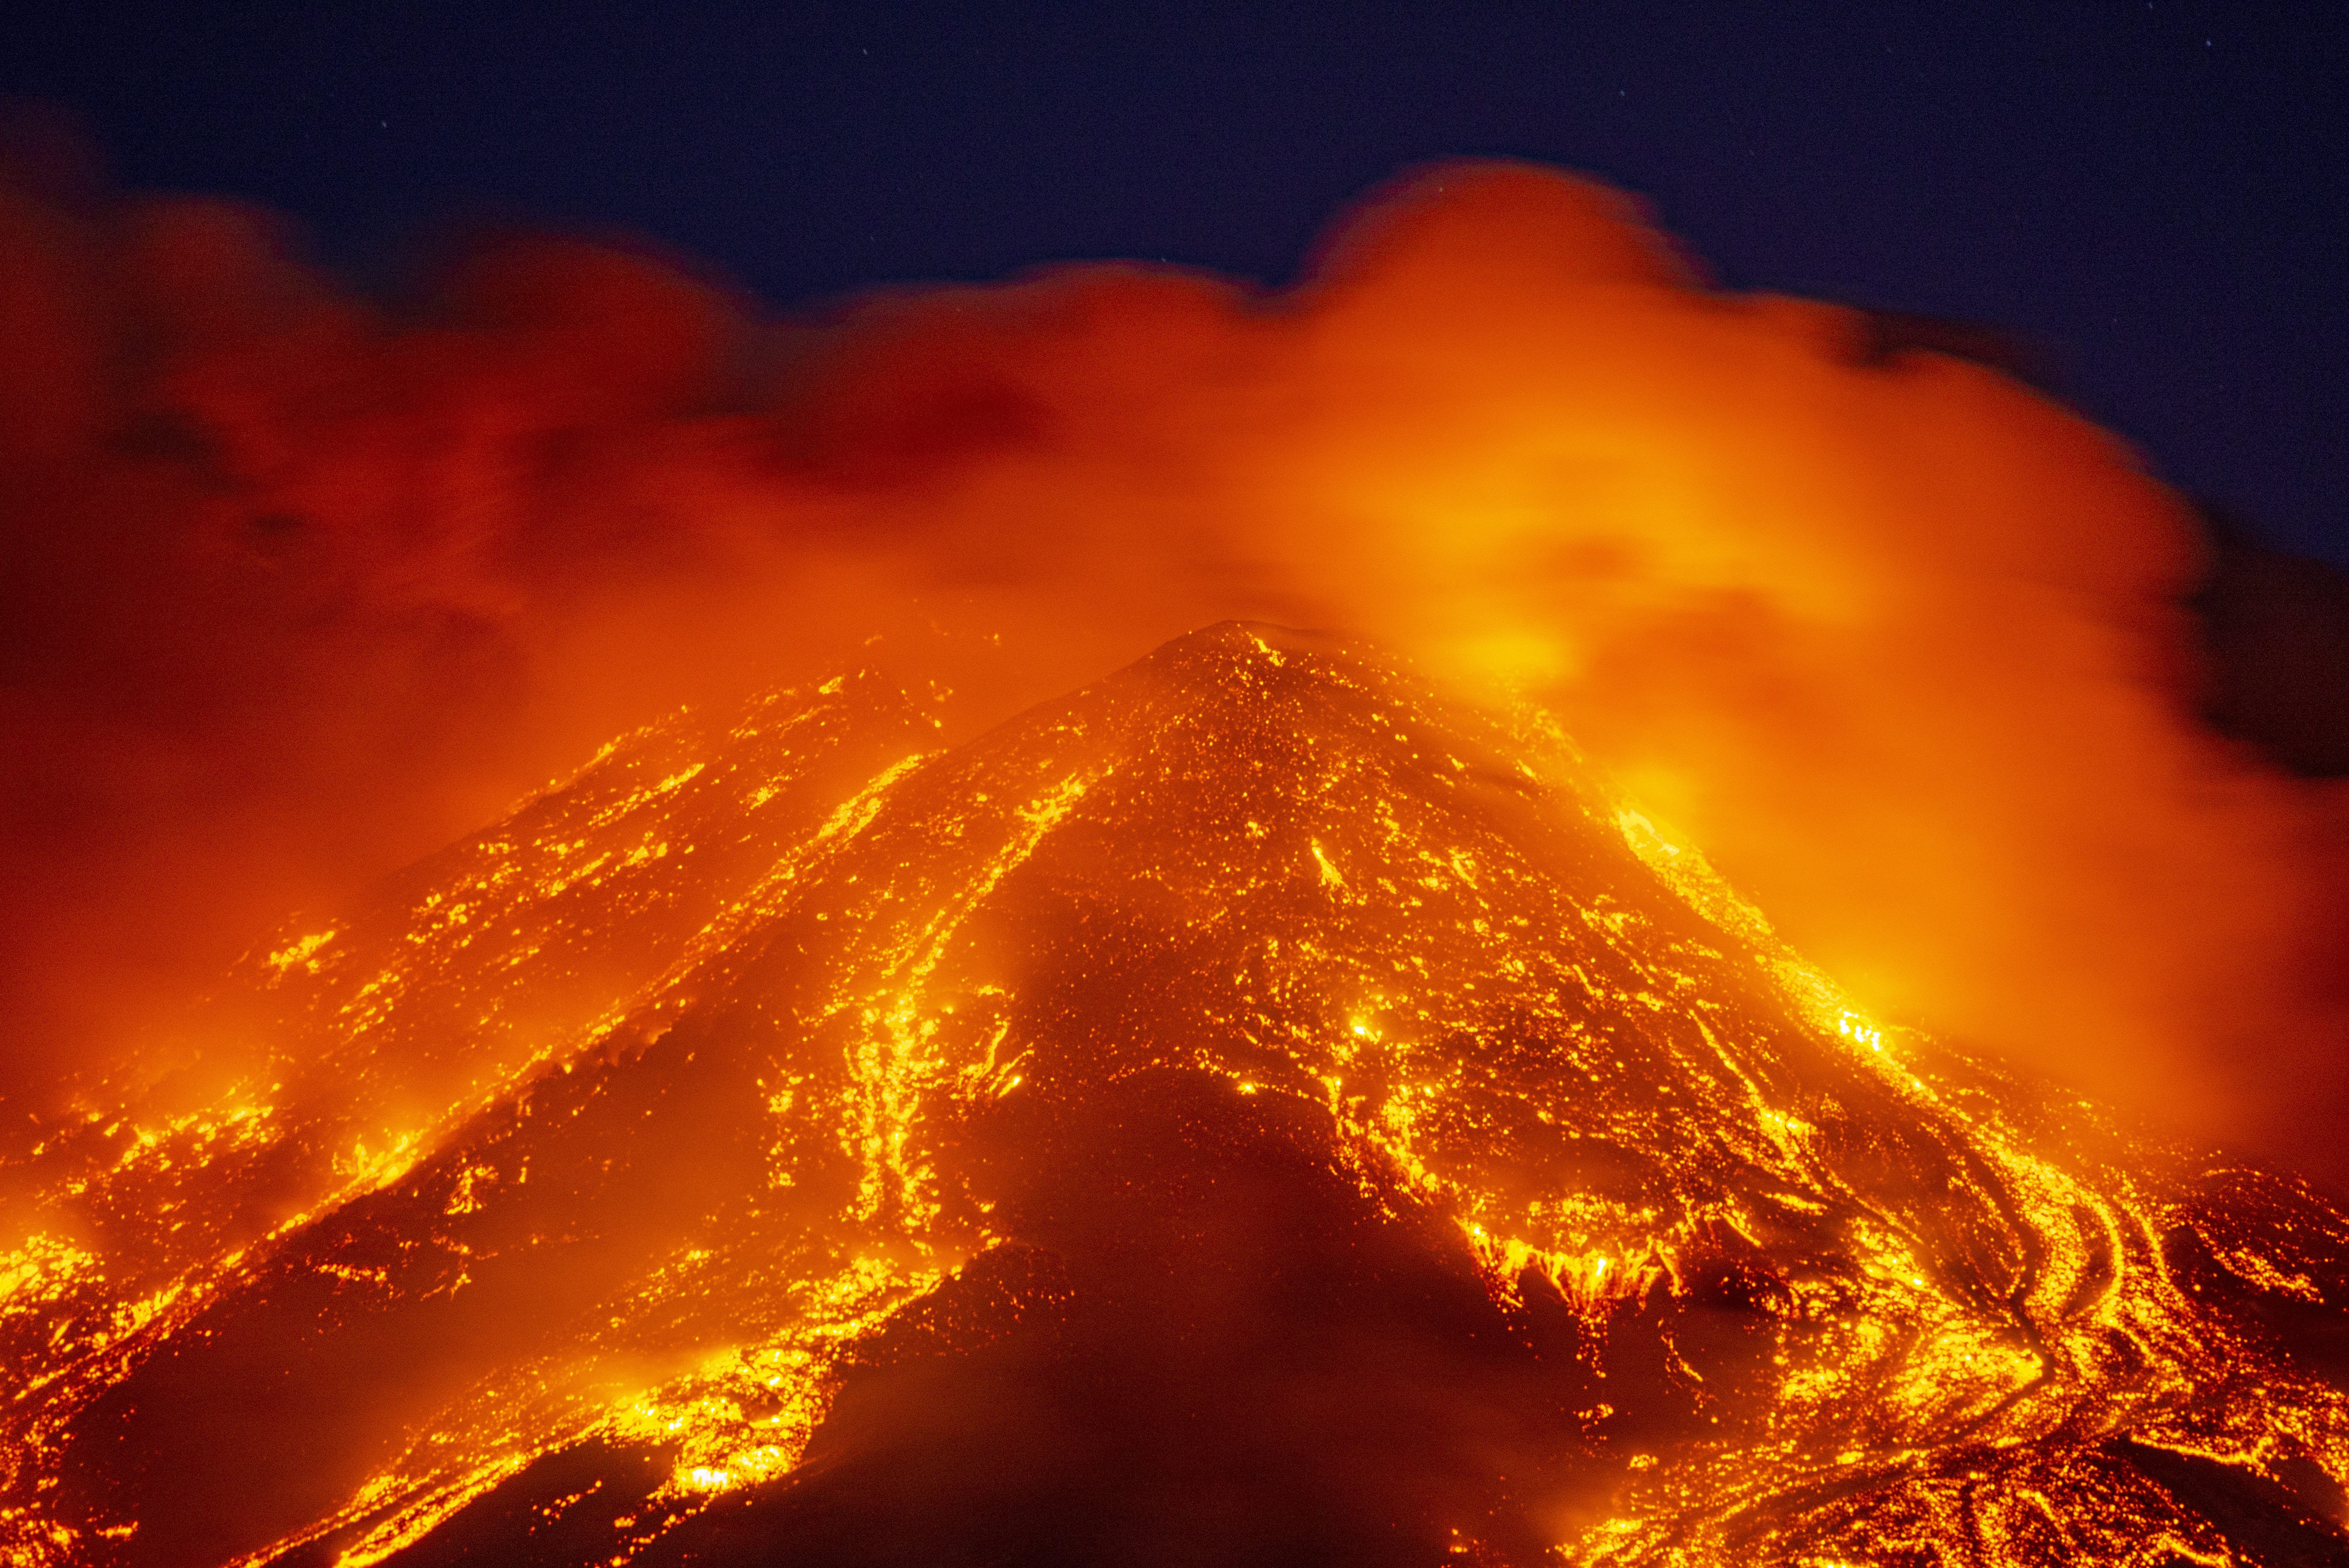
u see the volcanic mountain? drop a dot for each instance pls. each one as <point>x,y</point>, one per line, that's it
<point>1253,1110</point>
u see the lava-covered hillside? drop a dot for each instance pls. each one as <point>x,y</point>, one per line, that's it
<point>1253,1109</point>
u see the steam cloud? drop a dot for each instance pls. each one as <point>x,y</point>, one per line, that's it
<point>299,585</point>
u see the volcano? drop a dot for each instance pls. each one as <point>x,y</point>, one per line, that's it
<point>1257,1109</point>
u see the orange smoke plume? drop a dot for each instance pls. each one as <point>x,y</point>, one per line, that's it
<point>300,585</point>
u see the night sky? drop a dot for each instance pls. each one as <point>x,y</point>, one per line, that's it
<point>2153,194</point>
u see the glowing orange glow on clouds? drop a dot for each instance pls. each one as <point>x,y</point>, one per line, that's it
<point>300,585</point>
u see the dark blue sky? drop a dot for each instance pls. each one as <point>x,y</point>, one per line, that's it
<point>2157,192</point>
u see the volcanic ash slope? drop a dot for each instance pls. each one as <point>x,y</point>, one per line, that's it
<point>1253,1109</point>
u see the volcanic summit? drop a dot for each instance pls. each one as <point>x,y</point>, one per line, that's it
<point>1257,1109</point>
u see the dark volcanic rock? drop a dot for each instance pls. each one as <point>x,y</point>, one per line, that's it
<point>1253,1110</point>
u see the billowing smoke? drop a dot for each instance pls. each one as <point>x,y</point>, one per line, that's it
<point>298,584</point>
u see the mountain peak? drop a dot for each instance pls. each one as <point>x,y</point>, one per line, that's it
<point>1252,1108</point>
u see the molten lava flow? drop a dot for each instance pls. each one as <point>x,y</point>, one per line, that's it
<point>1257,1107</point>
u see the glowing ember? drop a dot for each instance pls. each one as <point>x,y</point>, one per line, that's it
<point>1256,1098</point>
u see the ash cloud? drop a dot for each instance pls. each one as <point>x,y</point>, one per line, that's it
<point>300,584</point>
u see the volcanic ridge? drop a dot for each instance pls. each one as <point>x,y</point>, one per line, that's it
<point>1257,1109</point>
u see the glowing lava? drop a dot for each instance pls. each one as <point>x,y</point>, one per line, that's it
<point>1254,1109</point>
